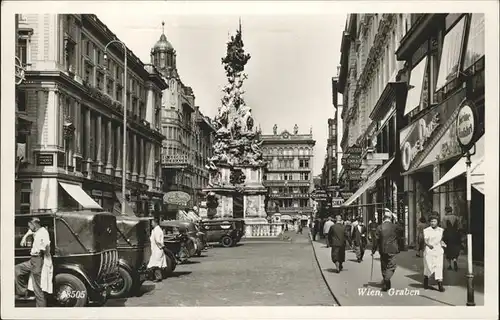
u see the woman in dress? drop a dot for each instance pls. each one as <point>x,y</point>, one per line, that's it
<point>157,261</point>
<point>433,253</point>
<point>422,224</point>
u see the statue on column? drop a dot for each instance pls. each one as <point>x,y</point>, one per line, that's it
<point>275,129</point>
<point>296,129</point>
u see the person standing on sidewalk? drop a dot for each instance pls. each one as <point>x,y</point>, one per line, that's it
<point>326,229</point>
<point>387,237</point>
<point>433,253</point>
<point>359,238</point>
<point>337,239</point>
<point>422,224</point>
<point>453,240</point>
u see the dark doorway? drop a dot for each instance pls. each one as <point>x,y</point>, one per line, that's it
<point>238,206</point>
<point>477,225</point>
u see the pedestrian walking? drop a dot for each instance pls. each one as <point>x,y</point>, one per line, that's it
<point>315,229</point>
<point>433,253</point>
<point>372,229</point>
<point>157,260</point>
<point>321,227</point>
<point>337,239</point>
<point>36,274</point>
<point>453,241</point>
<point>326,229</point>
<point>422,224</point>
<point>348,231</point>
<point>387,236</point>
<point>358,237</point>
<point>299,227</point>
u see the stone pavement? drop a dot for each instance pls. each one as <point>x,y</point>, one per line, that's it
<point>272,273</point>
<point>353,286</point>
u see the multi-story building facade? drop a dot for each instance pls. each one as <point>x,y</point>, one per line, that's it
<point>368,79</point>
<point>189,134</point>
<point>289,177</point>
<point>444,57</point>
<point>404,79</point>
<point>74,97</point>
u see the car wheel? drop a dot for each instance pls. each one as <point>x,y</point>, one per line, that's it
<point>69,291</point>
<point>123,286</point>
<point>227,241</point>
<point>198,253</point>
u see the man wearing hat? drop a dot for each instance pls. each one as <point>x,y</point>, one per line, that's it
<point>337,239</point>
<point>387,236</point>
<point>35,274</point>
<point>358,236</point>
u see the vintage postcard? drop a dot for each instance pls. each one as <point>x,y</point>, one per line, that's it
<point>249,160</point>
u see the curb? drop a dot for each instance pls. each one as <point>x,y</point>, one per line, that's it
<point>337,303</point>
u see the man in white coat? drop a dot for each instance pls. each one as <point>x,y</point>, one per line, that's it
<point>39,269</point>
<point>157,261</point>
<point>434,252</point>
<point>326,228</point>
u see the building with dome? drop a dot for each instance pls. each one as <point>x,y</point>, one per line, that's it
<point>189,134</point>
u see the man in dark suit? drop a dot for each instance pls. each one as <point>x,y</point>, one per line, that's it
<point>387,237</point>
<point>358,237</point>
<point>337,240</point>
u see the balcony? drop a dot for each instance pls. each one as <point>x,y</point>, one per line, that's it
<point>174,161</point>
<point>289,183</point>
<point>263,230</point>
<point>289,195</point>
<point>295,209</point>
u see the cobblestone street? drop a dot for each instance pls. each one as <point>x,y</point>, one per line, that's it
<point>272,273</point>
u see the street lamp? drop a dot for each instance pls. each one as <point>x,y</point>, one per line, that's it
<point>466,132</point>
<point>124,156</point>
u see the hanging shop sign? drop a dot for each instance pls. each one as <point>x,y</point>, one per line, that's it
<point>319,195</point>
<point>176,197</point>
<point>355,174</point>
<point>346,194</point>
<point>337,202</point>
<point>466,124</point>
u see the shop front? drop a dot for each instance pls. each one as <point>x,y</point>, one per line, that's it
<point>429,149</point>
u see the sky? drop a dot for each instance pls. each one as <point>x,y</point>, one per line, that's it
<point>293,58</point>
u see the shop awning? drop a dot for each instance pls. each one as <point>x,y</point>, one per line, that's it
<point>76,192</point>
<point>128,209</point>
<point>286,217</point>
<point>477,177</point>
<point>370,182</point>
<point>460,167</point>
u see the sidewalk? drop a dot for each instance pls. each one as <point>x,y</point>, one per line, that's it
<point>353,287</point>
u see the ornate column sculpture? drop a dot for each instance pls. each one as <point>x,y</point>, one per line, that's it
<point>110,145</point>
<point>118,142</point>
<point>134,157</point>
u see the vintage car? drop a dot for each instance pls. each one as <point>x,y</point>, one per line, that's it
<point>178,241</point>
<point>134,250</point>
<point>84,254</point>
<point>193,231</point>
<point>227,232</point>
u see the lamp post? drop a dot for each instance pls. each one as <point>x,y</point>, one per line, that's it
<point>124,151</point>
<point>466,125</point>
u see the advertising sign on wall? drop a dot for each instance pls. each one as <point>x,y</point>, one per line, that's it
<point>415,138</point>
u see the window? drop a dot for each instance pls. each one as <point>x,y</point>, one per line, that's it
<point>25,198</point>
<point>119,93</point>
<point>450,55</point>
<point>88,47</point>
<point>22,51</point>
<point>88,73</point>
<point>98,56</point>
<point>413,98</point>
<point>306,176</point>
<point>110,87</point>
<point>475,42</point>
<point>100,81</point>
<point>21,100</point>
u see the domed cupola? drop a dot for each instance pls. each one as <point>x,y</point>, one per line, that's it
<point>163,55</point>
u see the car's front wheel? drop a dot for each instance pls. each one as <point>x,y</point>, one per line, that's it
<point>123,286</point>
<point>69,291</point>
<point>227,241</point>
